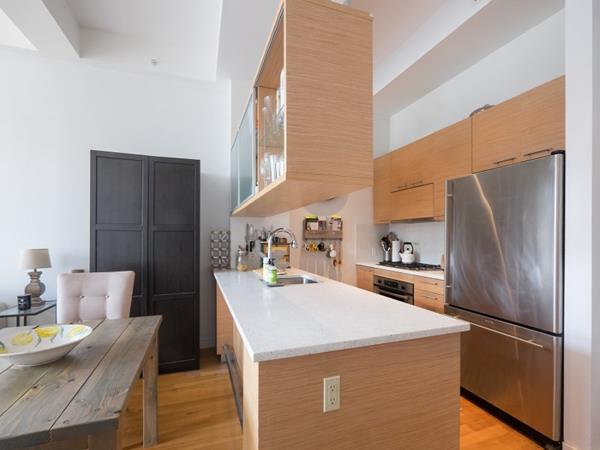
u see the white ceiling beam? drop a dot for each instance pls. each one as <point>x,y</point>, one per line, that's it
<point>48,24</point>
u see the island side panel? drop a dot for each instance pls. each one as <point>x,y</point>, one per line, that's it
<point>397,395</point>
<point>250,401</point>
<point>224,323</point>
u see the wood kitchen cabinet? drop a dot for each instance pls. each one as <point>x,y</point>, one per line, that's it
<point>417,182</point>
<point>224,324</point>
<point>314,107</point>
<point>382,195</point>
<point>364,278</point>
<point>528,126</point>
<point>429,293</point>
<point>450,157</point>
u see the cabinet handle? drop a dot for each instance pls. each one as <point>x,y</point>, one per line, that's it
<point>545,150</point>
<point>516,338</point>
<point>409,186</point>
<point>505,160</point>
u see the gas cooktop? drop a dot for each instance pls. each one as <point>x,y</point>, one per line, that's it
<point>413,266</point>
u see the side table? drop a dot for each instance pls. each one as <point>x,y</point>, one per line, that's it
<point>24,313</point>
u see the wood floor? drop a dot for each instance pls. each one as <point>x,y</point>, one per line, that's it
<point>197,411</point>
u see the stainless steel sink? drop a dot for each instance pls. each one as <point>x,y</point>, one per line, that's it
<point>292,279</point>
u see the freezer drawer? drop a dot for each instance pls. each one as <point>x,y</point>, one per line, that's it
<point>516,369</point>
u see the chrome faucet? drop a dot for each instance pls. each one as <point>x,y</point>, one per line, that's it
<point>293,243</point>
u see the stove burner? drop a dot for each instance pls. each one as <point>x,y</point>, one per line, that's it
<point>413,266</point>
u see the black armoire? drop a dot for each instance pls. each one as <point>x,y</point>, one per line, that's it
<point>145,216</point>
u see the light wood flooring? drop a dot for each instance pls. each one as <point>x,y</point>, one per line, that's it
<point>197,411</point>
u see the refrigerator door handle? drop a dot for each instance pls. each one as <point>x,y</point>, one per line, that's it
<point>449,230</point>
<point>516,338</point>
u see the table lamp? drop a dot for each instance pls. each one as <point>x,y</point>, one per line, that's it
<point>36,258</point>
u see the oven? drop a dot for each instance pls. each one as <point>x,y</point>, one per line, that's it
<point>398,290</point>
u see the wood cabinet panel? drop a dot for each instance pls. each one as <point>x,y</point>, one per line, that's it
<point>450,157</point>
<point>422,413</point>
<point>432,160</point>
<point>238,350</point>
<point>429,285</point>
<point>527,126</point>
<point>382,169</point>
<point>412,203</point>
<point>429,300</point>
<point>326,52</point>
<point>496,136</point>
<point>409,166</point>
<point>543,124</point>
<point>224,323</point>
<point>364,278</point>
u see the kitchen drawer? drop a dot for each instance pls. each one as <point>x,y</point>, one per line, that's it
<point>429,300</point>
<point>429,285</point>
<point>399,276</point>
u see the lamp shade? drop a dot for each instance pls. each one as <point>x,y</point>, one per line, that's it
<point>35,258</point>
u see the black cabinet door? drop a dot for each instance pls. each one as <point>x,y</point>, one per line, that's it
<point>145,214</point>
<point>118,219</point>
<point>173,233</point>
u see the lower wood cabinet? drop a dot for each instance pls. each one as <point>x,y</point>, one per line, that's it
<point>224,324</point>
<point>364,278</point>
<point>429,300</point>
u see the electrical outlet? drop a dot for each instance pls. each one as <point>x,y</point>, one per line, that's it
<point>331,393</point>
<point>372,251</point>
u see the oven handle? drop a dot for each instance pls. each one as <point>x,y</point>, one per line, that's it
<point>404,298</point>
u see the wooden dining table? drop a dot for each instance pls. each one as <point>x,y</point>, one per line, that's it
<point>76,402</point>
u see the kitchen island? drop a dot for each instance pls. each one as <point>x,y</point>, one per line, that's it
<point>399,365</point>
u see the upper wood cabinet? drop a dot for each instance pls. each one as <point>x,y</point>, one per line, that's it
<point>382,195</point>
<point>313,108</point>
<point>410,182</point>
<point>527,126</point>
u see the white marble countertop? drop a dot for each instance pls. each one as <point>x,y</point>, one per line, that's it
<point>295,320</point>
<point>436,274</point>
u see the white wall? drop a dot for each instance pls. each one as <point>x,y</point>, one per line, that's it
<point>582,227</point>
<point>529,60</point>
<point>428,239</point>
<point>53,112</point>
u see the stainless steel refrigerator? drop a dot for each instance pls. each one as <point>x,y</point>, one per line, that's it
<point>504,247</point>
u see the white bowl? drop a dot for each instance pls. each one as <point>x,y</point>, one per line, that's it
<point>40,345</point>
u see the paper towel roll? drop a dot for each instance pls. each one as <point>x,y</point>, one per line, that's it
<point>395,251</point>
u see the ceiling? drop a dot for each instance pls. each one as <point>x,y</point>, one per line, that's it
<point>191,24</point>
<point>173,37</point>
<point>394,21</point>
<point>10,35</point>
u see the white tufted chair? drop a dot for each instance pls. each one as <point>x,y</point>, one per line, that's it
<point>94,296</point>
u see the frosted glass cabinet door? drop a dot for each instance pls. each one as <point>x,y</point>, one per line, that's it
<point>235,184</point>
<point>247,149</point>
